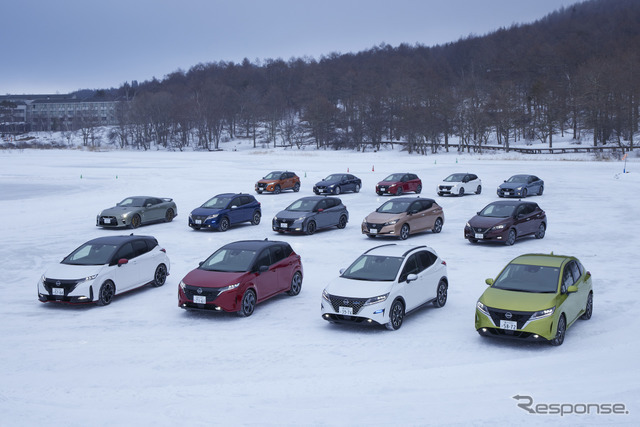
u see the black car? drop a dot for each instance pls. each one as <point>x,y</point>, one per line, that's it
<point>505,221</point>
<point>308,214</point>
<point>224,210</point>
<point>338,183</point>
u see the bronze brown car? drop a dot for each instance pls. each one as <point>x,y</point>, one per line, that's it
<point>403,216</point>
<point>276,181</point>
<point>506,221</point>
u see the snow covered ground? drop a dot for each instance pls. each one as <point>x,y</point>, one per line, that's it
<point>144,361</point>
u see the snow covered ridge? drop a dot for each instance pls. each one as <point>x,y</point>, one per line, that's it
<point>142,360</point>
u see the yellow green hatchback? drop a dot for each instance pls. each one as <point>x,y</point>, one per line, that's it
<point>535,297</point>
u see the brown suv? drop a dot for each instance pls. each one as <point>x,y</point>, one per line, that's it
<point>277,181</point>
<point>403,216</point>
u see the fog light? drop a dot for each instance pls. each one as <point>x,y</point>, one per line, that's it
<point>326,316</point>
<point>484,329</point>
<point>536,336</point>
<point>369,320</point>
<point>218,309</point>
<point>499,238</point>
<point>83,298</point>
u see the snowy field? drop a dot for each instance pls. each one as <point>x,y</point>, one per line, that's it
<point>144,361</point>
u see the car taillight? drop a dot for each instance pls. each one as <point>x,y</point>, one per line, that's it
<point>444,262</point>
<point>163,250</point>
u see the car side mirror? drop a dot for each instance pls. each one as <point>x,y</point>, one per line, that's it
<point>200,263</point>
<point>342,270</point>
<point>571,289</point>
<point>122,261</point>
<point>489,282</point>
<point>263,268</point>
<point>319,210</point>
<point>412,277</point>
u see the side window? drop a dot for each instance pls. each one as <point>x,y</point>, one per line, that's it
<point>426,204</point>
<point>567,277</point>
<point>520,210</point>
<point>575,270</point>
<point>126,251</point>
<point>322,204</point>
<point>427,259</point>
<point>286,249</point>
<point>415,207</point>
<point>245,200</point>
<point>527,209</point>
<point>410,267</point>
<point>263,259</point>
<point>139,248</point>
<point>235,203</point>
<point>277,253</point>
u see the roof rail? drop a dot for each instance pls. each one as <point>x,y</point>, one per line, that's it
<point>412,249</point>
<point>380,246</point>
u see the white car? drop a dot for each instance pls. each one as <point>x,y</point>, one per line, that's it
<point>104,267</point>
<point>459,184</point>
<point>384,284</point>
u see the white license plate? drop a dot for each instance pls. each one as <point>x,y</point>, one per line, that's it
<point>107,220</point>
<point>198,221</point>
<point>345,310</point>
<point>479,236</point>
<point>57,291</point>
<point>509,325</point>
<point>373,231</point>
<point>283,225</point>
<point>199,299</point>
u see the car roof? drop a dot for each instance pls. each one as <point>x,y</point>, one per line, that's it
<point>546,260</point>
<point>410,199</point>
<point>395,250</point>
<point>118,240</point>
<point>231,194</point>
<point>317,198</point>
<point>510,202</point>
<point>254,244</point>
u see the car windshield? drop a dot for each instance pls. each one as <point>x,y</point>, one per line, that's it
<point>136,202</point>
<point>229,260</point>
<point>394,177</point>
<point>394,206</point>
<point>518,178</point>
<point>456,177</point>
<point>498,210</point>
<point>273,175</point>
<point>334,177</point>
<point>302,205</point>
<point>217,203</point>
<point>91,254</point>
<point>374,268</point>
<point>528,278</point>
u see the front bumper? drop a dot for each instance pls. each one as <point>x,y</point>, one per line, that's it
<point>289,226</point>
<point>371,229</point>
<point>507,192</point>
<point>324,190</point>
<point>214,300</point>
<point>386,189</point>
<point>204,223</point>
<point>111,221</point>
<point>535,330</point>
<point>334,311</point>
<point>68,291</point>
<point>447,189</point>
<point>499,235</point>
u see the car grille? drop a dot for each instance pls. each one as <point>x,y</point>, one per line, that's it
<point>200,217</point>
<point>112,223</point>
<point>67,285</point>
<point>382,188</point>
<point>480,230</point>
<point>445,187</point>
<point>520,317</point>
<point>262,185</point>
<point>210,293</point>
<point>372,226</point>
<point>279,221</point>
<point>355,303</point>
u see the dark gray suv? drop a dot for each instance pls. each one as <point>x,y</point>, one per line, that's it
<point>308,214</point>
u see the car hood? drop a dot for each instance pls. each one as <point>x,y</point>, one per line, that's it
<point>327,183</point>
<point>452,183</point>
<point>487,221</point>
<point>119,210</point>
<point>388,182</point>
<point>293,214</point>
<point>357,288</point>
<point>381,218</point>
<point>517,301</point>
<point>72,272</point>
<point>212,279</point>
<point>267,181</point>
<point>513,185</point>
<point>205,211</point>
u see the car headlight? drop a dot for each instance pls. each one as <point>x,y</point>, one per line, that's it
<point>392,222</point>
<point>182,285</point>
<point>230,287</point>
<point>393,185</point>
<point>542,313</point>
<point>86,279</point>
<point>42,279</point>
<point>482,308</point>
<point>275,219</point>
<point>325,295</point>
<point>519,188</point>
<point>376,300</point>
<point>467,225</point>
<point>498,227</point>
<point>212,216</point>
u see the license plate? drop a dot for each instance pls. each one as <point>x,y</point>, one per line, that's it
<point>373,231</point>
<point>345,310</point>
<point>509,325</point>
<point>198,221</point>
<point>199,299</point>
<point>283,225</point>
<point>479,236</point>
<point>57,291</point>
<point>107,220</point>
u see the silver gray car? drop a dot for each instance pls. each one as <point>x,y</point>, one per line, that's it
<point>137,210</point>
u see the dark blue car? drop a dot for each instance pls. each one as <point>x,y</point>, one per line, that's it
<point>338,183</point>
<point>521,186</point>
<point>224,210</point>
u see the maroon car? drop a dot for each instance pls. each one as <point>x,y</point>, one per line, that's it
<point>398,183</point>
<point>241,274</point>
<point>506,221</point>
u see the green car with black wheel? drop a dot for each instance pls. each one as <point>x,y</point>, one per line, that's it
<point>535,297</point>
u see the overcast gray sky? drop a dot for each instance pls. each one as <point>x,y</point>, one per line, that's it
<point>58,46</point>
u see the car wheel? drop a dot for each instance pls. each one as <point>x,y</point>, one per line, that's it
<point>357,189</point>
<point>296,284</point>
<point>473,240</point>
<point>224,224</point>
<point>541,231</point>
<point>541,190</point>
<point>135,221</point>
<point>396,315</point>
<point>479,189</point>
<point>399,191</point>
<point>404,231</point>
<point>248,304</point>
<point>437,226</point>
<point>106,293</point>
<point>441,298</point>
<point>343,222</point>
<point>524,193</point>
<point>588,309</point>
<point>168,217</point>
<point>311,227</point>
<point>296,187</point>
<point>419,189</point>
<point>337,190</point>
<point>160,277</point>
<point>461,192</point>
<point>255,220</point>
<point>562,329</point>
<point>276,190</point>
<point>511,238</point>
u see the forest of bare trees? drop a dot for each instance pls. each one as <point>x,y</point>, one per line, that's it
<point>574,72</point>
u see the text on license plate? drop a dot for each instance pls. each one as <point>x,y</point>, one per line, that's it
<point>198,221</point>
<point>106,220</point>
<point>199,299</point>
<point>479,236</point>
<point>373,231</point>
<point>345,310</point>
<point>57,291</point>
<point>509,325</point>
<point>283,224</point>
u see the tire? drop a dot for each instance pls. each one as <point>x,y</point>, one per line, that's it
<point>337,190</point>
<point>296,284</point>
<point>419,189</point>
<point>276,190</point>
<point>169,215</point>
<point>541,190</point>
<point>399,191</point>
<point>255,219</point>
<point>224,224</point>
<point>248,304</point>
<point>357,189</point>
<point>524,193</point>
<point>396,316</point>
<point>311,227</point>
<point>479,189</point>
<point>461,192</point>
<point>106,293</point>
<point>296,187</point>
<point>441,297</point>
<point>404,231</point>
<point>135,221</point>
<point>562,329</point>
<point>588,309</point>
<point>511,238</point>
<point>342,223</point>
<point>541,231</point>
<point>473,240</point>
<point>160,276</point>
<point>437,226</point>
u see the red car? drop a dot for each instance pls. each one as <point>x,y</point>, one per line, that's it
<point>398,183</point>
<point>241,274</point>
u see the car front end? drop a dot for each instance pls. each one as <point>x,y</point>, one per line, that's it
<point>290,222</point>
<point>479,228</point>
<point>115,217</point>
<point>211,291</point>
<point>377,224</point>
<point>387,187</point>
<point>205,218</point>
<point>511,190</point>
<point>70,284</point>
<point>448,188</point>
<point>356,306</point>
<point>325,187</point>
<point>265,185</point>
